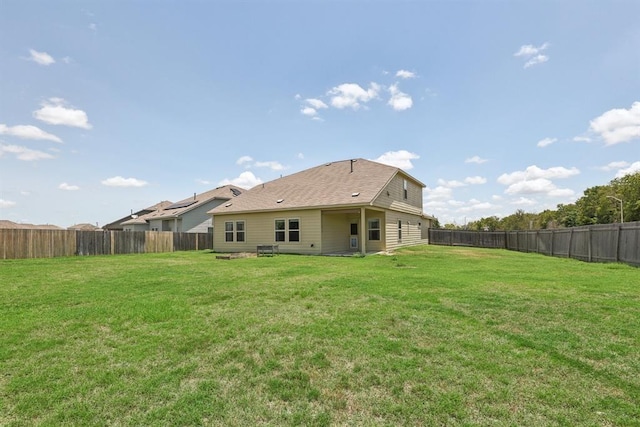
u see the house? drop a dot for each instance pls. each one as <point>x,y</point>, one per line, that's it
<point>186,216</point>
<point>351,206</point>
<point>117,224</point>
<point>84,227</point>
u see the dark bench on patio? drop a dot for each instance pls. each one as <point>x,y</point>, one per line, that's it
<point>268,250</point>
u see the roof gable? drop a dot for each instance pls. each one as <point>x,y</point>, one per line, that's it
<point>353,182</point>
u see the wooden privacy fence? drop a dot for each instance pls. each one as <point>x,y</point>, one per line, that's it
<point>594,243</point>
<point>56,243</point>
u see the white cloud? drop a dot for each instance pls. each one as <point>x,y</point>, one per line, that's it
<point>475,159</point>
<point>248,163</point>
<point>68,187</point>
<point>435,204</point>
<point>6,203</point>
<point>530,50</point>
<point>351,95</point>
<point>534,172</point>
<point>476,205</point>
<point>24,153</point>
<point>538,185</point>
<point>300,156</point>
<point>309,111</point>
<point>475,180</point>
<point>275,166</point>
<point>450,184</point>
<point>523,201</point>
<point>28,132</point>
<point>118,181</point>
<point>400,159</point>
<point>437,193</point>
<point>538,59</point>
<point>55,112</point>
<point>536,180</point>
<point>404,74</point>
<point>297,97</point>
<point>203,181</point>
<point>244,159</point>
<point>42,58</point>
<point>316,103</point>
<point>399,101</point>
<point>546,142</point>
<point>244,180</point>
<point>581,139</point>
<point>533,54</point>
<point>456,203</point>
<point>614,166</point>
<point>618,125</point>
<point>633,168</point>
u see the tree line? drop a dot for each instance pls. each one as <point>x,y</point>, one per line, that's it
<point>602,204</point>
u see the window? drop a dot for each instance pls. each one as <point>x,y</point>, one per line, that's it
<point>354,228</point>
<point>290,228</point>
<point>280,232</point>
<point>404,189</point>
<point>374,229</point>
<point>239,231</point>
<point>399,230</point>
<point>228,231</point>
<point>294,230</point>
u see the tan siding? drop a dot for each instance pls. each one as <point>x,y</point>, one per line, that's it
<point>335,232</point>
<point>260,230</point>
<point>392,196</point>
<point>411,230</point>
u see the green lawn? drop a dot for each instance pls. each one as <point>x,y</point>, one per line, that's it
<point>430,336</point>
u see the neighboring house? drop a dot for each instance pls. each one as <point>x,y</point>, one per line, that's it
<point>348,206</point>
<point>84,227</point>
<point>117,225</point>
<point>186,216</point>
<point>6,224</point>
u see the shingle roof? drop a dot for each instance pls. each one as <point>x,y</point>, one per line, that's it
<point>329,185</point>
<point>225,192</point>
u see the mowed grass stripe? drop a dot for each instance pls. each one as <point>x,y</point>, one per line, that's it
<point>430,335</point>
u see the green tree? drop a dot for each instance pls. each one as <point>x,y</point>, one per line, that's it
<point>627,189</point>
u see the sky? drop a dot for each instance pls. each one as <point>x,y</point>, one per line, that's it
<point>108,107</point>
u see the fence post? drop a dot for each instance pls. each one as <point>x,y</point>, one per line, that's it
<point>570,241</point>
<point>589,238</point>
<point>618,243</point>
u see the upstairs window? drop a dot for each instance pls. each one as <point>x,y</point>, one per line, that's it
<point>405,191</point>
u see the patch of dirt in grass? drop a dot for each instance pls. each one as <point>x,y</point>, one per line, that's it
<point>470,253</point>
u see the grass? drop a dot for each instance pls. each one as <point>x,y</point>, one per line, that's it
<point>430,336</point>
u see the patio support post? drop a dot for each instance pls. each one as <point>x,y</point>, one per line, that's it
<point>363,233</point>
